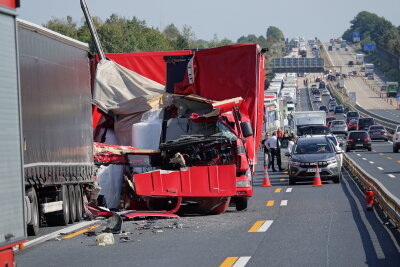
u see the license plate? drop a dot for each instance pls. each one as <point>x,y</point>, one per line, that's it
<point>359,145</point>
<point>311,170</point>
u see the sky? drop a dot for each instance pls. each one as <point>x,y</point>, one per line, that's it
<point>230,19</point>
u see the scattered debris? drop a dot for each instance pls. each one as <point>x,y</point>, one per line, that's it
<point>105,239</point>
<point>125,239</point>
<point>90,233</point>
<point>114,224</point>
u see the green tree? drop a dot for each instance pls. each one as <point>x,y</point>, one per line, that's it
<point>65,26</point>
<point>275,34</point>
<point>171,32</point>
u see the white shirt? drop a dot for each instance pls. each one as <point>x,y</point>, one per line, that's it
<point>272,142</point>
<point>290,146</point>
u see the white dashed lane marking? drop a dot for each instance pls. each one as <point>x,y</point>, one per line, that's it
<point>371,162</point>
<point>391,175</point>
<point>284,203</point>
<point>364,158</point>
<point>289,190</point>
<point>380,168</point>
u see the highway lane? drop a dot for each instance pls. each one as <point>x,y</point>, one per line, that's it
<point>381,163</point>
<point>365,96</point>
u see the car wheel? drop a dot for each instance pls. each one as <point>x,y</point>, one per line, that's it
<point>337,179</point>
<point>369,149</point>
<point>292,180</point>
<point>395,149</point>
<point>347,149</point>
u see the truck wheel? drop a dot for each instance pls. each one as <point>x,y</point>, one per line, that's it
<point>72,203</point>
<point>79,203</point>
<point>60,217</point>
<point>33,225</point>
<point>221,208</point>
<point>241,203</point>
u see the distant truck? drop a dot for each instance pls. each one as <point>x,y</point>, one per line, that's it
<point>369,69</point>
<point>309,119</point>
<point>392,89</point>
<point>343,44</point>
<point>359,59</point>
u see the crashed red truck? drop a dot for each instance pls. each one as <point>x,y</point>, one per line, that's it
<point>211,136</point>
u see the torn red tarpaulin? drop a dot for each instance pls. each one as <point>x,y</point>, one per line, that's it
<point>96,211</point>
<point>131,214</point>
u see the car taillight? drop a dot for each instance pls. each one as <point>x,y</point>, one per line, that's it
<point>383,132</point>
<point>396,136</point>
<point>367,139</point>
<point>350,140</point>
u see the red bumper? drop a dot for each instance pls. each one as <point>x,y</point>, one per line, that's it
<point>202,181</point>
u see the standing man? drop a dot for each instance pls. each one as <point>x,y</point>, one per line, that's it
<point>267,152</point>
<point>274,147</point>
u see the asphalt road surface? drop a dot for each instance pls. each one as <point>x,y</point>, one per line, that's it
<point>284,225</point>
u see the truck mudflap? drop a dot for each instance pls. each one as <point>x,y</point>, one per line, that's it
<point>200,181</point>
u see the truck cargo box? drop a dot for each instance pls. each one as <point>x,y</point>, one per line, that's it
<point>56,106</point>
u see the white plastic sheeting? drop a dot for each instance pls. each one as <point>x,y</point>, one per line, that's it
<point>146,134</point>
<point>110,178</point>
<point>115,84</point>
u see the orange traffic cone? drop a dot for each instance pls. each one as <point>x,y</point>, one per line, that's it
<point>317,178</point>
<point>266,182</point>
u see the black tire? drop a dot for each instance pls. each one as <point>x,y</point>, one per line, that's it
<point>60,217</point>
<point>241,203</point>
<point>72,203</point>
<point>337,179</point>
<point>292,181</point>
<point>79,203</point>
<point>395,149</point>
<point>347,149</point>
<point>33,226</point>
<point>369,149</point>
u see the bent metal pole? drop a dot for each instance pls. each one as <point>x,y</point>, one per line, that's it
<point>92,29</point>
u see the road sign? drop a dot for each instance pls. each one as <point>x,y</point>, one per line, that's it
<point>369,47</point>
<point>352,96</point>
<point>356,37</point>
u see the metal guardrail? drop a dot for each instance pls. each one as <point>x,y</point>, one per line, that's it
<point>389,203</point>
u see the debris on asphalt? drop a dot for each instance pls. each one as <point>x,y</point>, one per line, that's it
<point>105,239</point>
<point>114,224</point>
<point>90,233</point>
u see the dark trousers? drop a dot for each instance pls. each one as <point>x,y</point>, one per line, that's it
<point>276,153</point>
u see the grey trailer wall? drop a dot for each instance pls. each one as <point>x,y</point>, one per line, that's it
<point>56,107</point>
<point>12,221</point>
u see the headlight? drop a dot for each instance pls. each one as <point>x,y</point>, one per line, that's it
<point>294,163</point>
<point>332,161</point>
<point>243,183</point>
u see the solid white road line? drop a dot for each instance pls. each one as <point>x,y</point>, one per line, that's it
<point>265,226</point>
<point>289,190</point>
<point>391,175</point>
<point>56,233</point>
<point>284,203</point>
<point>371,162</point>
<point>241,262</point>
<point>380,168</point>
